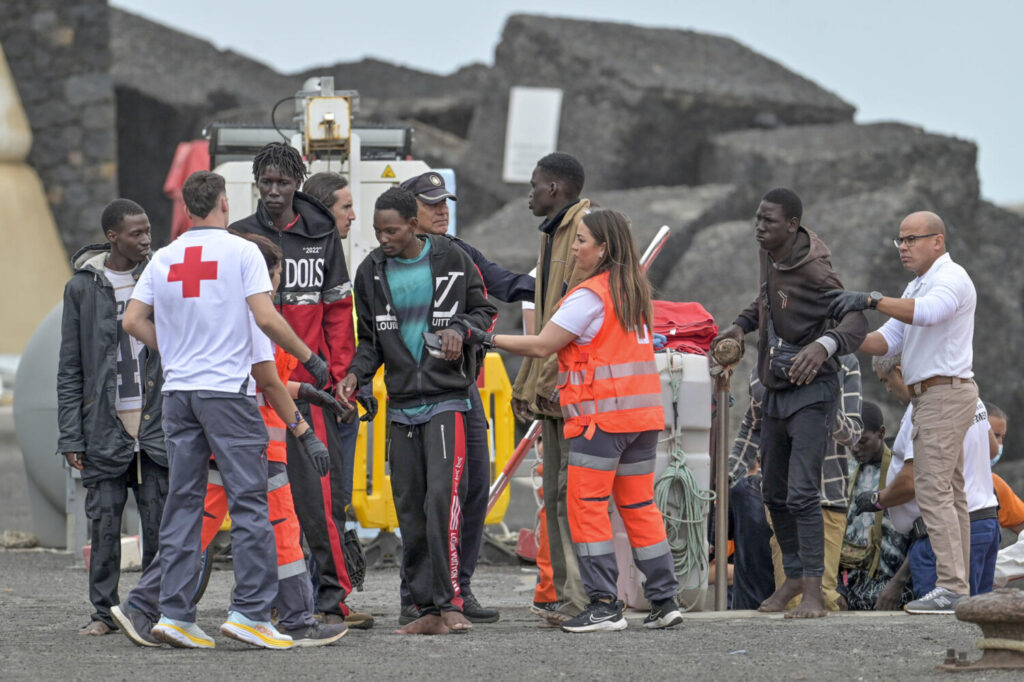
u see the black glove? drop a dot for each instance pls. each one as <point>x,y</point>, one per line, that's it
<point>862,503</point>
<point>478,337</point>
<point>316,451</point>
<point>365,398</point>
<point>317,369</point>
<point>314,396</point>
<point>845,302</point>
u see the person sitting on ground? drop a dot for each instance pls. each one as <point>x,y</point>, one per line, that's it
<point>610,397</point>
<point>873,550</point>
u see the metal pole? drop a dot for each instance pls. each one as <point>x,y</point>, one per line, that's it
<point>726,353</point>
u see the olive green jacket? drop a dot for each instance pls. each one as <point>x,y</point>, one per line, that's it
<point>539,376</point>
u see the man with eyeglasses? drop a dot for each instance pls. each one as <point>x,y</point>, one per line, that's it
<point>932,324</point>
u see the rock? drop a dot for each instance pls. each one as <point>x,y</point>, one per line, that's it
<point>825,162</point>
<point>636,115</point>
<point>510,236</point>
<point>16,539</point>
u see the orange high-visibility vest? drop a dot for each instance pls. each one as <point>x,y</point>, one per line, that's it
<point>613,381</point>
<point>277,450</point>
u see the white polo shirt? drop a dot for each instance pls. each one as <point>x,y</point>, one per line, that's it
<point>939,343</point>
<point>197,286</point>
<point>977,469</point>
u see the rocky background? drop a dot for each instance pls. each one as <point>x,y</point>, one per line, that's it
<point>674,127</point>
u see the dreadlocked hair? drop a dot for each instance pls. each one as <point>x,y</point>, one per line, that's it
<point>627,283</point>
<point>284,157</point>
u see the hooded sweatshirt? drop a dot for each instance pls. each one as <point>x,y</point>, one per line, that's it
<point>796,286</point>
<point>315,296</point>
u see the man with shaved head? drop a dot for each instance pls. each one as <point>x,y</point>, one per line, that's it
<point>932,324</point>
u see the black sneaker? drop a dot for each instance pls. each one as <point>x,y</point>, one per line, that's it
<point>408,614</point>
<point>939,600</point>
<point>317,634</point>
<point>134,624</point>
<point>475,613</point>
<point>597,616</point>
<point>664,614</point>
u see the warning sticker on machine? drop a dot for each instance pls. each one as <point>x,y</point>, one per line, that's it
<point>388,173</point>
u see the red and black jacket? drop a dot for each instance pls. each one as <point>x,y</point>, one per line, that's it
<point>315,296</point>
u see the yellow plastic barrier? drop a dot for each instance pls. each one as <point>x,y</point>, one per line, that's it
<point>371,488</point>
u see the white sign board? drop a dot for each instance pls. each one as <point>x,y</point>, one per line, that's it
<point>532,131</point>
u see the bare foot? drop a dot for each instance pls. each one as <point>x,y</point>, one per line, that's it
<point>789,588</point>
<point>430,624</point>
<point>457,623</point>
<point>813,603</point>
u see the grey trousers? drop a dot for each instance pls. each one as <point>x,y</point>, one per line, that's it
<point>229,425</point>
<point>565,569</point>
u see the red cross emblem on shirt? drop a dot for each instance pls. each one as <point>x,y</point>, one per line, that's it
<point>192,271</point>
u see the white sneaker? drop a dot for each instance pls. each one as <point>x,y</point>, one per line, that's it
<point>181,634</point>
<point>939,600</point>
<point>255,632</point>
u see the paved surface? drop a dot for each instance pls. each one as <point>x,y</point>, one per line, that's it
<point>43,601</point>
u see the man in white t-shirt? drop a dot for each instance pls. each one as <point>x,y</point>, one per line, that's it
<point>193,302</point>
<point>113,437</point>
<point>899,498</point>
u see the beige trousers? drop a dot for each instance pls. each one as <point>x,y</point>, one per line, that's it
<point>941,417</point>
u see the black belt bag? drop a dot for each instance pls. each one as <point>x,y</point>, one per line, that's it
<point>921,531</point>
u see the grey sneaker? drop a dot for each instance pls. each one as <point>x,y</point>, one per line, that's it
<point>317,634</point>
<point>939,600</point>
<point>408,614</point>
<point>134,624</point>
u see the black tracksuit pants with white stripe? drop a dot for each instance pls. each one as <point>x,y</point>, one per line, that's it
<point>428,462</point>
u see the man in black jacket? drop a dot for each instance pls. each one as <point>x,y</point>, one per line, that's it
<point>791,315</point>
<point>109,402</point>
<point>315,298</point>
<point>410,285</point>
<point>432,214</point>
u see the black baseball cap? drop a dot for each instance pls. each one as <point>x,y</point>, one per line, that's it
<point>428,188</point>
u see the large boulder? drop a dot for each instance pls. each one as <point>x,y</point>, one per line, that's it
<point>638,102</point>
<point>827,162</point>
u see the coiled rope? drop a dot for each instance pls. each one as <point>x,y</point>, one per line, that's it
<point>684,506</point>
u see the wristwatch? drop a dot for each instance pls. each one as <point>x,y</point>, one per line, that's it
<point>874,496</point>
<point>873,298</point>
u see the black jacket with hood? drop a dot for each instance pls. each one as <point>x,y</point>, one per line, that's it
<point>459,301</point>
<point>87,376</point>
<point>315,295</point>
<point>796,287</point>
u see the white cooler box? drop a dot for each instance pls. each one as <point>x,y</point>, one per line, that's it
<point>688,424</point>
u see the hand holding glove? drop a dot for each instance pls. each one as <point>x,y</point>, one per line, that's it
<point>365,398</point>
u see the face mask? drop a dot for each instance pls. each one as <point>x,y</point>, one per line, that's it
<point>998,455</point>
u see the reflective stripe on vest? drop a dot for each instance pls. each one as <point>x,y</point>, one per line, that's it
<point>613,381</point>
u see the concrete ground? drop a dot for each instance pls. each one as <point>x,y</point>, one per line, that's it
<point>43,602</point>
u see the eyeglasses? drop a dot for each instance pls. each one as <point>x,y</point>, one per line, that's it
<point>911,238</point>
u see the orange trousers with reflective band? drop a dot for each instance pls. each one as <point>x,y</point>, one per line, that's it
<point>545,592</point>
<point>619,466</point>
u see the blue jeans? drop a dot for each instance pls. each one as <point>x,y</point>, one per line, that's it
<point>985,538</point>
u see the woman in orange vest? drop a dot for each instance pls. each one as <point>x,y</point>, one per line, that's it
<point>610,394</point>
